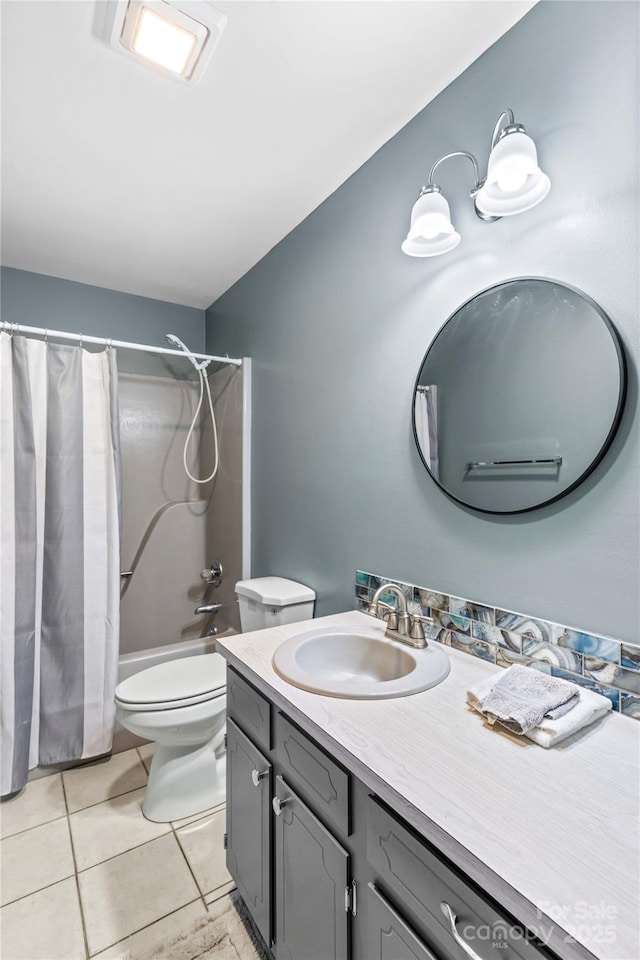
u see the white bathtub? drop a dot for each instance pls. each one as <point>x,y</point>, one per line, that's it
<point>131,663</point>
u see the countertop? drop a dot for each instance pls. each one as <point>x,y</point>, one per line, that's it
<point>548,833</point>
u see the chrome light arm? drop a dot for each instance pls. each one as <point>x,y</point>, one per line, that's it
<point>502,129</point>
<point>432,187</point>
<point>448,156</point>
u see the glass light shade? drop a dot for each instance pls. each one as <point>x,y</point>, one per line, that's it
<point>515,182</point>
<point>431,232</point>
<point>162,41</point>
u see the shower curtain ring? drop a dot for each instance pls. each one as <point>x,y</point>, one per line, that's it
<point>79,341</point>
<point>109,343</point>
<point>46,335</point>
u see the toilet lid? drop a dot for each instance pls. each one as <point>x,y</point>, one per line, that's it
<point>188,680</point>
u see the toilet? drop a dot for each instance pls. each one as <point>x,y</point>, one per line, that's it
<point>181,706</point>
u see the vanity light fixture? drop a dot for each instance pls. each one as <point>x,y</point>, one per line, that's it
<point>174,37</point>
<point>514,183</point>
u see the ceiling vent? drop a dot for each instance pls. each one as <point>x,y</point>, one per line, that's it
<point>174,38</point>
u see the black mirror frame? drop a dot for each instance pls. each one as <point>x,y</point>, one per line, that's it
<point>622,395</point>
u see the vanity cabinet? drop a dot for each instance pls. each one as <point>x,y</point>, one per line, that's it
<point>330,872</point>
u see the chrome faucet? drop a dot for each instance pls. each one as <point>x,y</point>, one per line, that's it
<point>401,625</point>
<point>208,608</point>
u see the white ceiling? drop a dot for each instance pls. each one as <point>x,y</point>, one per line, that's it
<point>115,176</point>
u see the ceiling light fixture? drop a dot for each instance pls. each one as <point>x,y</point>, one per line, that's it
<point>514,183</point>
<point>174,37</point>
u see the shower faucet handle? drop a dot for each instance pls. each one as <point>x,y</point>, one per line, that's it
<point>213,574</point>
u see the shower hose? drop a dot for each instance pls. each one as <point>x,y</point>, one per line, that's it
<point>204,385</point>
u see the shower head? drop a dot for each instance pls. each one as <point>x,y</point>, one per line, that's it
<point>177,342</point>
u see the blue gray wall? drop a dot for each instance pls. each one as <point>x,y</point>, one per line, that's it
<point>337,319</point>
<point>41,301</point>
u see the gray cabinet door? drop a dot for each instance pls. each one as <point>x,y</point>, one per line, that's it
<point>249,825</point>
<point>389,936</point>
<point>312,874</point>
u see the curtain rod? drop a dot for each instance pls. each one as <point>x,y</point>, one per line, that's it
<point>108,342</point>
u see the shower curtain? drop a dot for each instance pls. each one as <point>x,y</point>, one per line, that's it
<point>59,554</point>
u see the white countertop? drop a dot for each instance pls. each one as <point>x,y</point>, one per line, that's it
<point>558,828</point>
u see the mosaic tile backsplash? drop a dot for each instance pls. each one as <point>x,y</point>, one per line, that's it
<point>503,637</point>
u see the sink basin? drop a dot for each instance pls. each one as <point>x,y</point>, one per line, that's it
<point>358,664</point>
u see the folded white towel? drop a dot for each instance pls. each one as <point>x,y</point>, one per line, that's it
<point>589,708</point>
<point>521,697</point>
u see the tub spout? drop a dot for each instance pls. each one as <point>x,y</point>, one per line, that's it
<point>208,608</point>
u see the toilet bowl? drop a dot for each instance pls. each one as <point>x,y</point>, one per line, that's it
<point>181,706</point>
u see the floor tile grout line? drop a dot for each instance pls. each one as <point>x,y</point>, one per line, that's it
<point>44,823</point>
<point>122,852</point>
<point>145,927</point>
<point>179,825</point>
<point>143,761</point>
<point>231,884</point>
<point>118,796</point>
<point>114,797</point>
<point>71,813</point>
<point>212,810</point>
<point>186,860</point>
<point>75,867</point>
<point>47,886</point>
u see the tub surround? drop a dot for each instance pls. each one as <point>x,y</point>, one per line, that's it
<point>515,818</point>
<point>602,664</point>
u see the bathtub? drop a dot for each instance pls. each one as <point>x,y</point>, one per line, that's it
<point>132,663</point>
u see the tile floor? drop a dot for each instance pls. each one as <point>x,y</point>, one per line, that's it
<point>83,874</point>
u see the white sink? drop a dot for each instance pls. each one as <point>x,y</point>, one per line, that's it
<point>358,664</point>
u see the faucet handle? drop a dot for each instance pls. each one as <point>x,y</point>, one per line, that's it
<point>416,628</point>
<point>380,604</point>
<point>385,611</point>
<point>213,574</point>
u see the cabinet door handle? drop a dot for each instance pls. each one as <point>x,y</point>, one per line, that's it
<point>462,943</point>
<point>257,776</point>
<point>278,804</point>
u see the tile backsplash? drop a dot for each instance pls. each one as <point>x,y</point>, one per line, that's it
<point>503,637</point>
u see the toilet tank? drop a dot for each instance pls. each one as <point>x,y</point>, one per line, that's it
<point>272,601</point>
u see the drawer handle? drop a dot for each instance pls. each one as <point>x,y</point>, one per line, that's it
<point>278,804</point>
<point>257,776</point>
<point>462,943</point>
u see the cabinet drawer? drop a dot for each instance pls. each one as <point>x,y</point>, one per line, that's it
<point>250,710</point>
<point>420,880</point>
<point>318,778</point>
<point>389,935</point>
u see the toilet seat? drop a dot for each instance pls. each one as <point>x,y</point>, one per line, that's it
<point>175,684</point>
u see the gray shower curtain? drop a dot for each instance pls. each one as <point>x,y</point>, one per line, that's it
<point>59,554</point>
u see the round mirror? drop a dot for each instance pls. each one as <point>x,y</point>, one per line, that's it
<point>519,396</point>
